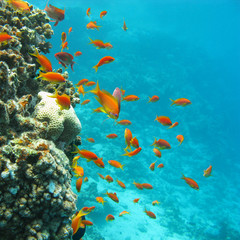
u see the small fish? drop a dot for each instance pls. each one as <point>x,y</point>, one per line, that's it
<point>69,30</point>
<point>128,138</point>
<point>124,26</point>
<point>154,98</point>
<point>74,161</point>
<point>191,182</point>
<point>181,102</point>
<point>77,219</point>
<point>121,184</point>
<point>86,179</point>
<point>103,13</point>
<point>174,125</point>
<point>109,179</point>
<point>80,89</point>
<point>113,196</point>
<point>134,142</point>
<point>88,12</point>
<point>85,102</point>
<point>207,172</point>
<point>64,45</point>
<point>87,223</point>
<point>130,98</point>
<point>46,65</point>
<point>112,135</point>
<point>123,213</point>
<point>152,166</point>
<point>82,82</point>
<point>97,43</point>
<point>78,53</point>
<point>99,162</point>
<point>63,37</point>
<point>157,152</point>
<point>90,156</point>
<point>110,217</point>
<point>155,202</point>
<point>19,5</point>
<point>52,77</point>
<point>65,59</point>
<point>160,165</point>
<point>91,140</point>
<point>100,200</point>
<point>101,176</point>
<point>138,185</point>
<point>136,200</point>
<point>79,172</point>
<point>55,13</point>
<point>93,25</point>
<point>161,143</point>
<point>88,209</point>
<point>132,153</point>
<point>90,83</point>
<point>147,186</point>
<point>165,121</point>
<point>79,184</point>
<point>4,37</point>
<point>150,214</point>
<point>103,61</point>
<point>115,164</point>
<point>180,138</point>
<point>124,122</point>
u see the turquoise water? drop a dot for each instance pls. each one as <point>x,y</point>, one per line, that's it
<point>172,49</point>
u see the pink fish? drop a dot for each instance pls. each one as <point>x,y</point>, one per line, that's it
<point>65,59</point>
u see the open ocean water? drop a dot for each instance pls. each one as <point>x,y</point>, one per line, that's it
<point>173,49</point>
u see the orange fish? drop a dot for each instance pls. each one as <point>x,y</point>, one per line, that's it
<point>88,12</point>
<point>77,220</point>
<point>87,222</point>
<point>101,176</point>
<point>115,164</point>
<point>88,209</point>
<point>160,165</point>
<point>109,179</point>
<point>91,140</point>
<point>79,184</point>
<point>131,98</point>
<point>103,13</point>
<point>55,13</point>
<point>124,26</point>
<point>207,172</point>
<point>121,184</point>
<point>147,186</point>
<point>153,99</point>
<point>86,154</point>
<point>123,213</point>
<point>180,138</point>
<point>80,89</point>
<point>4,37</point>
<point>112,135</point>
<point>161,143</point>
<point>174,125</point>
<point>110,217</point>
<point>100,200</point>
<point>136,200</point>
<point>150,214</point>
<point>46,65</point>
<point>69,30</point>
<point>78,53</point>
<point>128,138</point>
<point>82,82</point>
<point>19,5</point>
<point>157,152</point>
<point>152,166</point>
<point>124,122</point>
<point>63,101</point>
<point>52,77</point>
<point>79,172</point>
<point>86,179</point>
<point>113,196</point>
<point>109,103</point>
<point>93,25</point>
<point>85,102</point>
<point>191,182</point>
<point>181,102</point>
<point>99,162</point>
<point>64,45</point>
<point>134,142</point>
<point>90,83</point>
<point>155,202</point>
<point>138,185</point>
<point>165,121</point>
<point>133,153</point>
<point>98,43</point>
<point>103,61</point>
<point>63,37</point>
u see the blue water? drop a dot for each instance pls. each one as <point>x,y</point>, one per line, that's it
<point>173,49</point>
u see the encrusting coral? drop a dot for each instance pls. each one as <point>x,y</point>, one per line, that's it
<point>36,200</point>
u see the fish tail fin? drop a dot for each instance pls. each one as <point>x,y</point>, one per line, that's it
<point>46,8</point>
<point>172,102</point>
<point>72,66</point>
<point>149,102</point>
<point>35,54</point>
<point>55,95</point>
<point>156,118</point>
<point>96,90</point>
<point>183,177</point>
<point>76,149</point>
<point>91,41</point>
<point>95,67</point>
<point>40,74</point>
<point>122,167</point>
<point>98,27</point>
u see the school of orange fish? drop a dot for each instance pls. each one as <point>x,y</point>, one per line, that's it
<point>110,105</point>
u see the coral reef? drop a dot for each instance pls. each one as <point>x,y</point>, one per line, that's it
<point>36,200</point>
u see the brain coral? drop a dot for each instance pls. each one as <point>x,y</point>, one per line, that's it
<point>63,125</point>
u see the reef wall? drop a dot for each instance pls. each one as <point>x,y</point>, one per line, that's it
<point>36,200</point>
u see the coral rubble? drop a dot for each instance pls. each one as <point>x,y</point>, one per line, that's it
<point>36,200</point>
